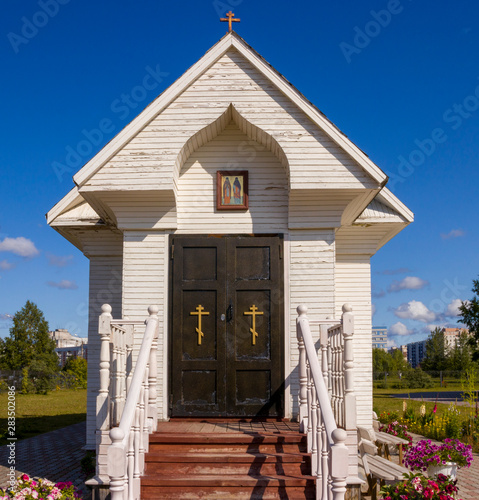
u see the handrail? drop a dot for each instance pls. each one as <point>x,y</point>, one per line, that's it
<point>129,441</point>
<point>321,389</point>
<point>326,442</point>
<point>138,375</point>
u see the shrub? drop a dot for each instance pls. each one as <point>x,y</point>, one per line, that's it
<point>417,379</point>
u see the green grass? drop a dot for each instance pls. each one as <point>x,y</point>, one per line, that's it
<point>37,413</point>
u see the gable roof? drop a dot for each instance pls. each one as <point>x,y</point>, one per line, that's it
<point>230,40</point>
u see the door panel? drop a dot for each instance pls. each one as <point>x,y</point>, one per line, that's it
<point>227,326</point>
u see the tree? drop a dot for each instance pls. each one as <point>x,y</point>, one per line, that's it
<point>77,368</point>
<point>398,364</point>
<point>460,356</point>
<point>470,317</point>
<point>435,357</point>
<point>29,345</point>
<point>381,361</point>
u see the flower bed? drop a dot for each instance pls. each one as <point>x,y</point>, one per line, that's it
<point>27,488</point>
<point>426,454</point>
<point>416,486</point>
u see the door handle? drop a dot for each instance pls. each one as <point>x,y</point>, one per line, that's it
<point>229,312</point>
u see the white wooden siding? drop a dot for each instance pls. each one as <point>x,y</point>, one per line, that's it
<point>105,288</point>
<point>353,286</point>
<point>311,272</point>
<point>145,273</point>
<point>268,187</point>
<point>315,161</point>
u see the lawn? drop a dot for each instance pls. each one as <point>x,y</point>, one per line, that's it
<point>37,413</point>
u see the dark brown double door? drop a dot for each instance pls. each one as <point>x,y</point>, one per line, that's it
<point>227,326</point>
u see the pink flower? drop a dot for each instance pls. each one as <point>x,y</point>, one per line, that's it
<point>24,477</point>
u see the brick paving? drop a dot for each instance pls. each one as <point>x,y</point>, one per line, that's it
<point>54,455</point>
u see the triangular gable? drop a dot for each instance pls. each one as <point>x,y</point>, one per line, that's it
<point>216,52</point>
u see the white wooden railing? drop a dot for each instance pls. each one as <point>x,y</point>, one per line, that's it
<point>322,416</point>
<point>126,402</point>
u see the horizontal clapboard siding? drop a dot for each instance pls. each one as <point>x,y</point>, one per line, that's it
<point>311,271</point>
<point>353,286</point>
<point>268,188</point>
<point>315,161</point>
<point>105,288</point>
<point>145,276</point>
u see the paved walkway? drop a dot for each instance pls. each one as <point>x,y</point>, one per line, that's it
<point>54,455</point>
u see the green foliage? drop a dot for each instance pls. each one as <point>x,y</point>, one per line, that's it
<point>27,384</point>
<point>77,369</point>
<point>29,348</point>
<point>28,341</point>
<point>435,357</point>
<point>470,317</point>
<point>460,356</point>
<point>394,364</point>
<point>417,379</point>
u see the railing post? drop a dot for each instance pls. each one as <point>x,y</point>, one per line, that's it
<point>349,396</point>
<point>303,378</point>
<point>339,464</point>
<point>129,355</point>
<point>102,400</point>
<point>117,464</point>
<point>153,373</point>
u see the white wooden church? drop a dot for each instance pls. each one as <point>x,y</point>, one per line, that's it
<point>227,203</point>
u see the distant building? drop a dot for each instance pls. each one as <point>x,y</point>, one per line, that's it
<point>451,336</point>
<point>402,348</point>
<point>380,337</point>
<point>416,352</point>
<point>68,345</point>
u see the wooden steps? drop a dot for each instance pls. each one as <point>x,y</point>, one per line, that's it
<point>242,465</point>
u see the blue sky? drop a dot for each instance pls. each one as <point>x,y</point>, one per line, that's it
<point>400,78</point>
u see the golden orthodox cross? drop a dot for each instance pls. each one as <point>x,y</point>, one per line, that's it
<point>201,312</point>
<point>254,312</point>
<point>230,20</point>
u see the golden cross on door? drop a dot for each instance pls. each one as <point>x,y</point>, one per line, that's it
<point>201,312</point>
<point>254,312</point>
<point>230,20</point>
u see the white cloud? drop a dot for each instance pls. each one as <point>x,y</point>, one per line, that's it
<point>19,246</point>
<point>6,317</point>
<point>454,233</point>
<point>63,285</point>
<point>59,260</point>
<point>399,329</point>
<point>415,310</point>
<point>408,283</point>
<point>5,265</point>
<point>373,309</point>
<point>452,309</point>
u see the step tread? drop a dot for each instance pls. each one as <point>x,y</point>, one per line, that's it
<point>233,480</point>
<point>179,456</point>
<point>230,438</point>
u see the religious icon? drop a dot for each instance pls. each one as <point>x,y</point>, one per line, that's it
<point>232,190</point>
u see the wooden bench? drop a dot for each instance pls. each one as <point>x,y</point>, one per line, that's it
<point>378,468</point>
<point>383,440</point>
